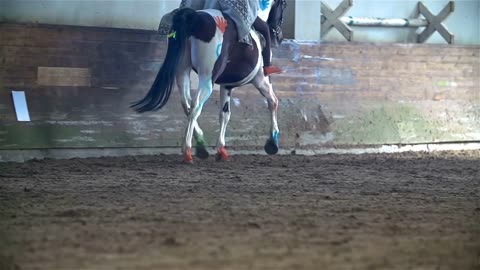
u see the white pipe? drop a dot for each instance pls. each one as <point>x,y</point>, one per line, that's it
<point>382,22</point>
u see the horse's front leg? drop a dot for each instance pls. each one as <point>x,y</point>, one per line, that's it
<point>263,85</point>
<point>205,89</point>
<point>225,111</point>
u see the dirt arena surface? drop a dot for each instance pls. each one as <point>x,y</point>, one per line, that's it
<point>388,211</point>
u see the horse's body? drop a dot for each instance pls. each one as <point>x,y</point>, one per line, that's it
<point>206,41</point>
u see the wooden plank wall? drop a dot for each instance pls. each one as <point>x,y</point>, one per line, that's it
<point>80,80</point>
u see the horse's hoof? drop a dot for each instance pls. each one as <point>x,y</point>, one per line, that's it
<point>187,157</point>
<point>201,152</point>
<point>222,155</point>
<point>187,162</point>
<point>271,147</point>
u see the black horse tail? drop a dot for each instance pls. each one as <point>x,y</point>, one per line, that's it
<point>162,87</point>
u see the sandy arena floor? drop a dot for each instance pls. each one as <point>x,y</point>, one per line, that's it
<point>396,211</point>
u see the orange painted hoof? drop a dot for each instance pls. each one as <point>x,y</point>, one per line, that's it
<point>222,154</point>
<point>271,70</point>
<point>187,156</point>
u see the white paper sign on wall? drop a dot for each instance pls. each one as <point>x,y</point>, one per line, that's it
<point>20,104</point>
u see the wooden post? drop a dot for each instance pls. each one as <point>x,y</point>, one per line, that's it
<point>435,22</point>
<point>331,18</point>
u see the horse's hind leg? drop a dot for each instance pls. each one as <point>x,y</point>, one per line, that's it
<point>225,112</point>
<point>204,56</point>
<point>183,84</point>
<point>205,50</point>
<point>263,85</point>
<point>205,89</point>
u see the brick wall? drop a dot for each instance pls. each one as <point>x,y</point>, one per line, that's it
<point>79,82</point>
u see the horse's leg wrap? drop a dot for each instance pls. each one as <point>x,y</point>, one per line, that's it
<point>222,154</point>
<point>187,156</point>
<point>200,148</point>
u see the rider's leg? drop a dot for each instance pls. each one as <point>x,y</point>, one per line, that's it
<point>263,28</point>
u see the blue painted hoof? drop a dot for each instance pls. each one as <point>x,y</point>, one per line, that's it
<point>201,152</point>
<point>271,147</point>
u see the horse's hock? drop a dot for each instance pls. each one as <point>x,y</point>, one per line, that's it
<point>79,82</point>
